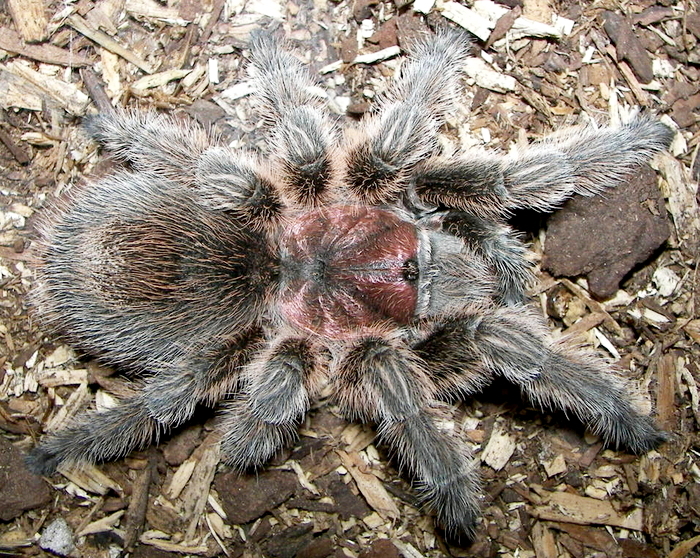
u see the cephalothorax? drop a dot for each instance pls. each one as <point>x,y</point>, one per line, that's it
<point>368,262</point>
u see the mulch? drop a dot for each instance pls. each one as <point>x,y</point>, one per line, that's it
<point>551,489</point>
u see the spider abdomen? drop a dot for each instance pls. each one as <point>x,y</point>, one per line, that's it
<point>347,269</point>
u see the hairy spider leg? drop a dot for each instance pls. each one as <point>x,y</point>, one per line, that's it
<point>275,398</point>
<point>512,342</point>
<point>502,249</point>
<point>161,402</point>
<point>404,130</point>
<point>387,383</point>
<point>152,143</point>
<point>584,160</point>
<point>303,136</point>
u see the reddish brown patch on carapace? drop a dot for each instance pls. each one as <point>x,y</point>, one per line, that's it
<point>348,269</point>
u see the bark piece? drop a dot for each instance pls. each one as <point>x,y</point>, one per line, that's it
<point>571,508</point>
<point>381,548</point>
<point>20,490</point>
<point>245,498</point>
<point>606,236</point>
<point>30,19</point>
<point>628,45</point>
<point>290,541</point>
<point>10,41</point>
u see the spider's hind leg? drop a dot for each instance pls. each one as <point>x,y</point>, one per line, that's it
<point>303,135</point>
<point>153,143</point>
<point>382,382</point>
<point>161,402</point>
<point>264,419</point>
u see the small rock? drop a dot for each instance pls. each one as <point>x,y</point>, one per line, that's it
<point>363,9</point>
<point>606,236</point>
<point>245,498</point>
<point>348,49</point>
<point>205,112</point>
<point>382,548</point>
<point>385,36</point>
<point>57,537</point>
<point>20,490</point>
<point>684,111</point>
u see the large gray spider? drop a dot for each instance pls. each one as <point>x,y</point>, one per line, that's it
<point>367,262</point>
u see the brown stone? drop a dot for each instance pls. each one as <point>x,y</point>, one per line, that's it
<point>606,236</point>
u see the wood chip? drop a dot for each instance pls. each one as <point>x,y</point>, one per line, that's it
<point>556,466</point>
<point>151,540</point>
<point>373,57</point>
<point>572,508</point>
<point>543,541</point>
<point>196,493</point>
<point>488,78</point>
<point>67,95</point>
<point>16,92</point>
<point>666,391</point>
<point>369,485</point>
<point>136,512</point>
<point>106,523</point>
<point>499,449</point>
<point>149,9</point>
<point>104,40</point>
<point>30,19</point>
<point>680,191</point>
<point>467,18</point>
<point>683,549</point>
<point>157,80</point>
<point>90,478</point>
<point>11,42</point>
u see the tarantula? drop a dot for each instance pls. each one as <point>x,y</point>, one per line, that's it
<point>369,262</point>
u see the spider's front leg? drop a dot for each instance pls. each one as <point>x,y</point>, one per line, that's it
<point>275,398</point>
<point>500,246</point>
<point>404,129</point>
<point>381,381</point>
<point>303,135</point>
<point>582,160</point>
<point>513,342</point>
